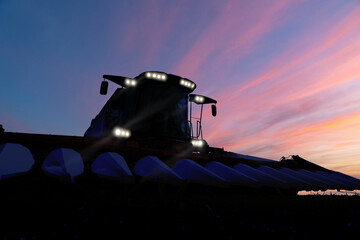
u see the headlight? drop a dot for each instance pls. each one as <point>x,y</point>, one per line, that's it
<point>187,84</point>
<point>156,76</point>
<point>199,99</point>
<point>130,82</point>
<point>197,143</point>
<point>121,132</point>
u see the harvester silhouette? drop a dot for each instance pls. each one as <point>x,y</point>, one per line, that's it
<point>147,131</point>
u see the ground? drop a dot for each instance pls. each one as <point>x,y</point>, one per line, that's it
<point>58,210</point>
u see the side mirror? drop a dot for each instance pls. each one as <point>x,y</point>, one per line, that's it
<point>104,87</point>
<point>213,110</point>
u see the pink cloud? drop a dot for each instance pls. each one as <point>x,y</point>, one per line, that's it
<point>228,30</point>
<point>287,61</point>
<point>343,64</point>
<point>151,25</point>
<point>298,137</point>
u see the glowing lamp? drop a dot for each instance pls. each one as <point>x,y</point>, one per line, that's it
<point>121,132</point>
<point>156,76</point>
<point>197,143</point>
<point>130,82</point>
<point>187,83</point>
<point>199,99</point>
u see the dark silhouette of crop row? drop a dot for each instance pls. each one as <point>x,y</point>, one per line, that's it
<point>114,211</point>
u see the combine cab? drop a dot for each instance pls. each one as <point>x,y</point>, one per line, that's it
<point>153,105</point>
<point>147,132</point>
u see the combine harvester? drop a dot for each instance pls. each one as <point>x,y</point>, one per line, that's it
<point>146,132</point>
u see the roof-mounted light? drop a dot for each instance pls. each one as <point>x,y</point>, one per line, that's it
<point>130,82</point>
<point>199,99</point>
<point>187,84</point>
<point>156,76</point>
<point>121,132</point>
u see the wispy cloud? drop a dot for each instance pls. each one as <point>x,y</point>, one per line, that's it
<point>282,65</point>
<point>303,101</point>
<point>148,30</point>
<point>233,33</point>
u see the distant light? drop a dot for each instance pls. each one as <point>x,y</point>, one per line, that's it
<point>148,75</point>
<point>121,132</point>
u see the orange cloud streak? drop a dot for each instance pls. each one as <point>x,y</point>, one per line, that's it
<point>346,120</point>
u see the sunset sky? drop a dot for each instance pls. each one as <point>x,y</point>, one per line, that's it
<point>286,74</point>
